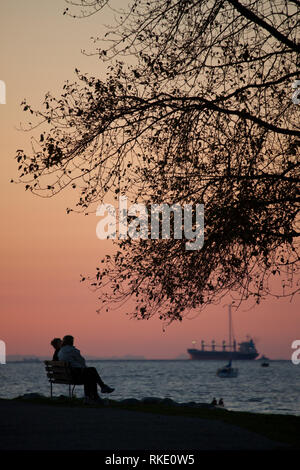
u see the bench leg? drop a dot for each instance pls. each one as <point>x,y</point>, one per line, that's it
<point>73,390</point>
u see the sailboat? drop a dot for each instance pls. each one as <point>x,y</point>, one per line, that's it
<point>228,371</point>
<point>264,361</point>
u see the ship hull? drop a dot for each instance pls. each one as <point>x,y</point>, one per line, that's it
<point>199,355</point>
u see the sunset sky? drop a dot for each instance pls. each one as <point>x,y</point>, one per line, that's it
<point>44,250</point>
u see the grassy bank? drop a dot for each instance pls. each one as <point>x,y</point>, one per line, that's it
<point>281,428</point>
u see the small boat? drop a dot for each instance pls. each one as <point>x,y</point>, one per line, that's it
<point>228,371</point>
<point>265,361</point>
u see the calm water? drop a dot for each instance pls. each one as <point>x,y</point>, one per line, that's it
<point>275,389</point>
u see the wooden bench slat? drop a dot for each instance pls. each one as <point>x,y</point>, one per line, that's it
<point>59,376</point>
<point>56,363</point>
<point>57,368</point>
<point>62,381</point>
<point>59,372</point>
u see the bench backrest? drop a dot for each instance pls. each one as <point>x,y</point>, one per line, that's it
<point>58,372</point>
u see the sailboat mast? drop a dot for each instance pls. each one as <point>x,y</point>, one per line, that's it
<point>229,314</point>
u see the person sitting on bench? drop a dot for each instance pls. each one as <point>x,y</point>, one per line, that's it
<point>80,372</point>
<point>56,343</point>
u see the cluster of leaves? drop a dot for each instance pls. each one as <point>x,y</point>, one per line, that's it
<point>204,115</point>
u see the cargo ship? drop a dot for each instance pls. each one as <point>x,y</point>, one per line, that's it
<point>236,352</point>
<point>245,351</point>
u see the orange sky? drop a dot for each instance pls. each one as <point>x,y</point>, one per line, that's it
<point>44,251</point>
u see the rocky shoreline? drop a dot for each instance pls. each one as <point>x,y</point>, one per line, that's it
<point>129,401</point>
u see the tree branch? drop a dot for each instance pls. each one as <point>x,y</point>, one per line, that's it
<point>274,32</point>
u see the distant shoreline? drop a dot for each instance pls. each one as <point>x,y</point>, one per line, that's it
<point>41,360</point>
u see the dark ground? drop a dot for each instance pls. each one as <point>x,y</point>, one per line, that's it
<point>31,426</point>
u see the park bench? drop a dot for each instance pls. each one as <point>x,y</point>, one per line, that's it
<point>59,372</point>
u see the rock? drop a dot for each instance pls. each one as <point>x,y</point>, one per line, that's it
<point>168,402</point>
<point>63,397</point>
<point>30,396</point>
<point>151,400</point>
<point>130,401</point>
<point>190,404</point>
<point>205,405</point>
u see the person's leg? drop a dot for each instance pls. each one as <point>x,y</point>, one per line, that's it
<point>90,385</point>
<point>96,377</point>
<point>87,390</point>
<point>82,376</point>
<point>94,373</point>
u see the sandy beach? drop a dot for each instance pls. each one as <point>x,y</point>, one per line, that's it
<point>31,426</point>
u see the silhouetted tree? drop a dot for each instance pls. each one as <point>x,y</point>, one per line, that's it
<point>204,114</point>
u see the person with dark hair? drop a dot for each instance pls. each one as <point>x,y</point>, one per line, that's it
<point>80,372</point>
<point>56,343</point>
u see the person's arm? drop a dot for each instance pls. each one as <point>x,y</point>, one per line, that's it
<point>55,356</point>
<point>78,357</point>
<point>60,355</point>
